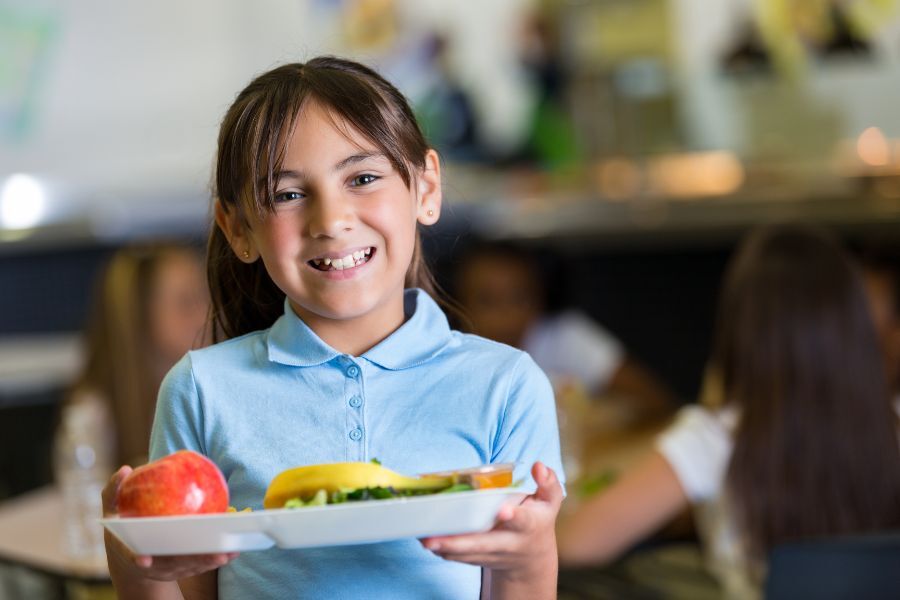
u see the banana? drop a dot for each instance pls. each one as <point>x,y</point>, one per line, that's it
<point>303,482</point>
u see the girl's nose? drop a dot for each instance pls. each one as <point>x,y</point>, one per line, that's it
<point>330,215</point>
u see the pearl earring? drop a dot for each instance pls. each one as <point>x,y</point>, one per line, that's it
<point>430,213</point>
<point>246,254</point>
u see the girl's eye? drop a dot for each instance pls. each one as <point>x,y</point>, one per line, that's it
<point>364,179</point>
<point>288,196</point>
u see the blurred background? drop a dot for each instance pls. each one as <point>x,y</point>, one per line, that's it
<point>626,143</point>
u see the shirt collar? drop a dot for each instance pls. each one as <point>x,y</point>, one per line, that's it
<point>421,337</point>
<point>292,342</point>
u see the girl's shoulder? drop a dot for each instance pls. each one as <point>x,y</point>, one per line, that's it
<point>231,351</point>
<point>475,344</point>
<point>488,353</point>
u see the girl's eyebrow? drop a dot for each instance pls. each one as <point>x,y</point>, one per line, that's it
<point>286,174</point>
<point>355,158</point>
<point>350,160</point>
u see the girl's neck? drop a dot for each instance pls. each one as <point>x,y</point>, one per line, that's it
<point>355,336</point>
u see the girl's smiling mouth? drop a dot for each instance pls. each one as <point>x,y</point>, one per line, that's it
<point>342,263</point>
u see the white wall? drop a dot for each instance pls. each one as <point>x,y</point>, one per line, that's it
<point>132,92</point>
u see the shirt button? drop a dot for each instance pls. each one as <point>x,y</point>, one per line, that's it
<point>356,435</point>
<point>352,371</point>
<point>355,401</point>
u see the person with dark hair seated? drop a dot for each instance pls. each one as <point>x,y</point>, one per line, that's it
<point>805,443</point>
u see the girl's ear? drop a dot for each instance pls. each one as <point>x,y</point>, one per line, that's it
<point>429,190</point>
<point>236,234</point>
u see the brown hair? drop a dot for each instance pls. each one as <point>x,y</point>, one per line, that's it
<point>251,147</point>
<point>816,450</point>
<point>119,368</point>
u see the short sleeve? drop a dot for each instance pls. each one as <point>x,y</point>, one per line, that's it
<point>698,448</point>
<point>528,430</point>
<point>177,424</point>
<point>574,345</point>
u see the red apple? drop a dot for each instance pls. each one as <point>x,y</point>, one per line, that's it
<point>182,483</point>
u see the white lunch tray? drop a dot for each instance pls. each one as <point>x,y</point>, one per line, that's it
<point>333,525</point>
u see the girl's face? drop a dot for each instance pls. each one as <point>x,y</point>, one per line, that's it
<point>178,305</point>
<point>343,232</point>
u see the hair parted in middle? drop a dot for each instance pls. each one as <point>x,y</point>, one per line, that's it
<point>251,147</point>
<point>816,448</point>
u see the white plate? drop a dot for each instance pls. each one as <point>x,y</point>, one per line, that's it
<point>338,524</point>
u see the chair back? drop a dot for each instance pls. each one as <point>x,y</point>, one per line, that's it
<point>865,566</point>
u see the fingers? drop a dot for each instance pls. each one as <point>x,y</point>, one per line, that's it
<point>169,568</point>
<point>548,488</point>
<point>521,535</point>
<point>112,486</point>
<point>143,562</point>
<point>537,509</point>
<point>477,543</point>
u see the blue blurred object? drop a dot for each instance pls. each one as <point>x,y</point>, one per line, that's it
<point>866,566</point>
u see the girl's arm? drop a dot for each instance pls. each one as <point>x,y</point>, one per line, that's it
<point>613,521</point>
<point>201,587</point>
<point>156,577</point>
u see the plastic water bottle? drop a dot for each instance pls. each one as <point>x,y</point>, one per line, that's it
<point>82,465</point>
<point>571,412</point>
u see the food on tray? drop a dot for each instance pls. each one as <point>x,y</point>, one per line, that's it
<point>181,483</point>
<point>485,476</point>
<point>336,483</point>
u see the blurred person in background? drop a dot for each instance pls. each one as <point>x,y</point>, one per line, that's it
<point>503,293</point>
<point>150,307</point>
<point>806,444</point>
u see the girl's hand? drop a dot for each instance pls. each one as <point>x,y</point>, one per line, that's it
<point>123,561</point>
<point>521,548</point>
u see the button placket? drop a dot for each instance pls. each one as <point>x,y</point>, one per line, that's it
<point>355,432</point>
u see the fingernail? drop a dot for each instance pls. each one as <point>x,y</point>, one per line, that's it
<point>433,546</point>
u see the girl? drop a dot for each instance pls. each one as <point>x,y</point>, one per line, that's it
<point>149,308</point>
<point>337,352</point>
<point>806,444</point>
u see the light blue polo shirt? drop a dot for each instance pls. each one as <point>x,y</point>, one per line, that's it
<point>427,398</point>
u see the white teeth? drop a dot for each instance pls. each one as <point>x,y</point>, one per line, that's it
<point>354,259</point>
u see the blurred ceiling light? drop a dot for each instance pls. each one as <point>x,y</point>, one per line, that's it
<point>22,202</point>
<point>873,148</point>
<point>697,175</point>
<point>618,178</point>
